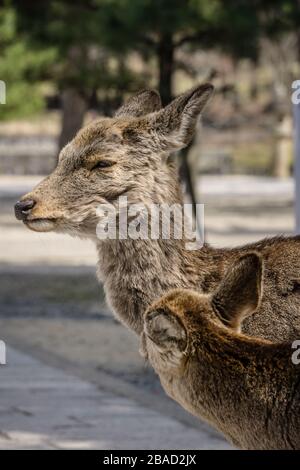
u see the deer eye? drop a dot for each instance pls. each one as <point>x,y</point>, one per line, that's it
<point>102,164</point>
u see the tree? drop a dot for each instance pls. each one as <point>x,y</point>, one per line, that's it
<point>83,67</point>
<point>279,22</point>
<point>21,68</point>
<point>278,17</point>
<point>94,37</point>
<point>161,27</point>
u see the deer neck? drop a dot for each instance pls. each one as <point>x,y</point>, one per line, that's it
<point>135,272</point>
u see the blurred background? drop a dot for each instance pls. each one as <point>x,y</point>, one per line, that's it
<point>66,63</point>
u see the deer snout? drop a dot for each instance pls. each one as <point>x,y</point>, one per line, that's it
<point>23,208</point>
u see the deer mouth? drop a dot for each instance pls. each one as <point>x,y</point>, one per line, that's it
<point>41,224</point>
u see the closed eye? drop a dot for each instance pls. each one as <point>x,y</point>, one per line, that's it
<point>102,164</point>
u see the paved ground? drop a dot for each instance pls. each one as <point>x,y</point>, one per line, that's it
<point>44,408</point>
<point>51,305</point>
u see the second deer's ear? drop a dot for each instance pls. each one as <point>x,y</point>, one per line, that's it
<point>140,104</point>
<point>240,291</point>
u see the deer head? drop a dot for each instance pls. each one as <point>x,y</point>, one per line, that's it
<point>176,322</point>
<point>125,155</point>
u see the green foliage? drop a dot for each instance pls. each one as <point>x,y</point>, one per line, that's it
<point>157,28</point>
<point>85,43</point>
<point>230,24</point>
<point>77,29</point>
<point>21,68</point>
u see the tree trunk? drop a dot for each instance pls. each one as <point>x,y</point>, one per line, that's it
<point>166,67</point>
<point>74,107</point>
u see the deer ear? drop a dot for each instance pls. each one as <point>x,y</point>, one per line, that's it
<point>144,102</point>
<point>240,291</point>
<point>175,124</point>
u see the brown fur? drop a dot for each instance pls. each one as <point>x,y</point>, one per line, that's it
<point>247,388</point>
<point>137,143</point>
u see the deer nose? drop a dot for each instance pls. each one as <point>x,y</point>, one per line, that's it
<point>23,208</point>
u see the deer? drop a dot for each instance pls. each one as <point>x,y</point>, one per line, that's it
<point>248,388</point>
<point>131,155</point>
